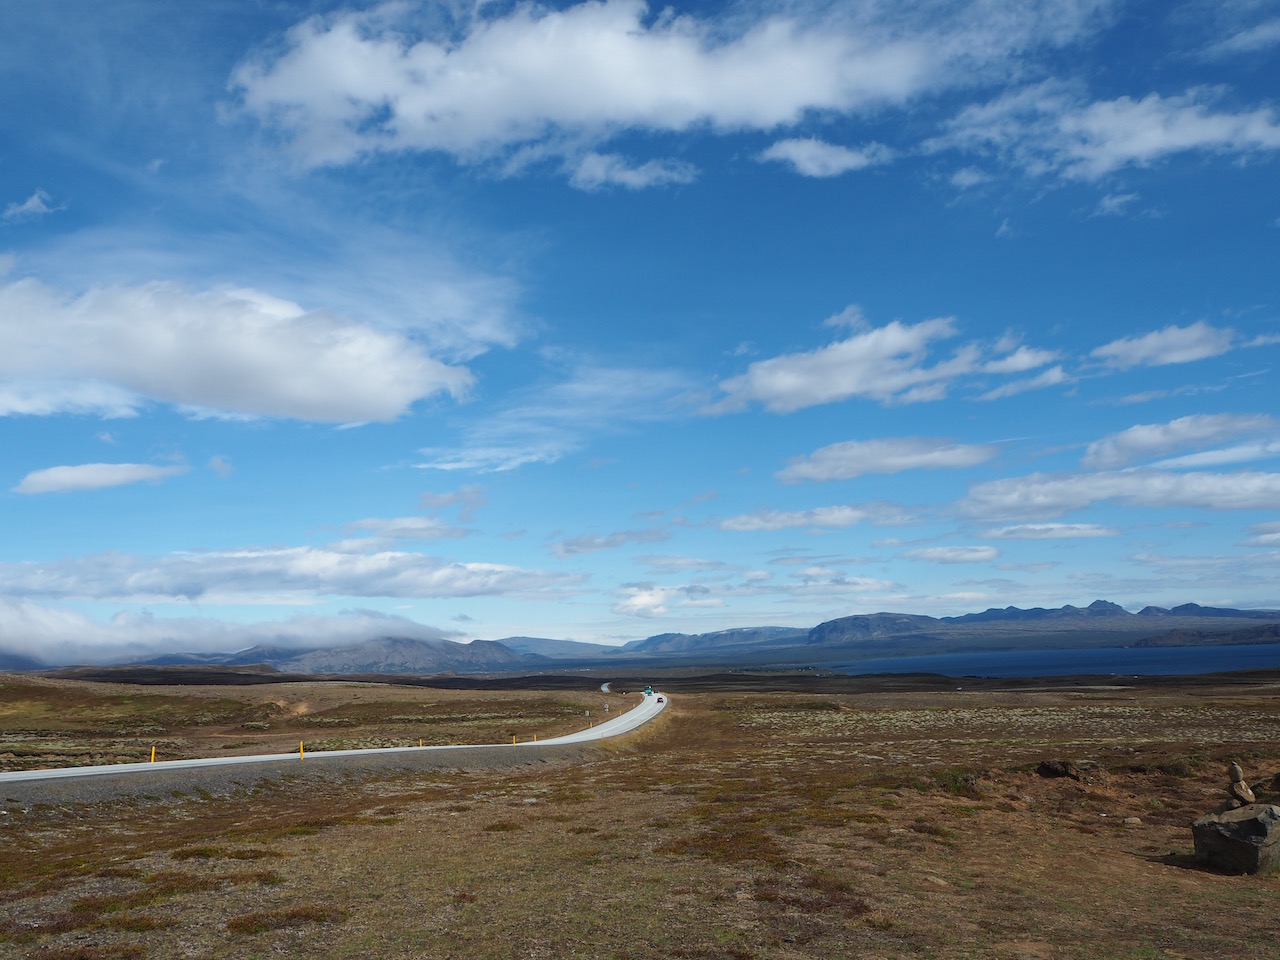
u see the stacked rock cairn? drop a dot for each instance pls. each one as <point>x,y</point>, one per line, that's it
<point>1241,793</point>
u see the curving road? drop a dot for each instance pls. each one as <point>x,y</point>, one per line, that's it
<point>650,707</point>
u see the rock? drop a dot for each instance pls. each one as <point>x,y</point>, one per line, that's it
<point>1132,821</point>
<point>1237,775</point>
<point>1058,768</point>
<point>1240,791</point>
<point>1246,840</point>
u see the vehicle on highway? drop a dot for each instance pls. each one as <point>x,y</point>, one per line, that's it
<point>660,700</point>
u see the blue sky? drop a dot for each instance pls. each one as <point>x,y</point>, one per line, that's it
<point>322,321</point>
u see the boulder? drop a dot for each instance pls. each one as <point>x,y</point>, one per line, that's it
<point>1245,840</point>
<point>1058,768</point>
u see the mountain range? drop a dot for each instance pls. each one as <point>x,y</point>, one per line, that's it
<point>864,636</point>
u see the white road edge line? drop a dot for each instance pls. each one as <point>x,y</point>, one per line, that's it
<point>650,707</point>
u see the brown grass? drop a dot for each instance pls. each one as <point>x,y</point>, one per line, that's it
<point>738,825</point>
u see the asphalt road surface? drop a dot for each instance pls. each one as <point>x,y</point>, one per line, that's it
<point>649,708</point>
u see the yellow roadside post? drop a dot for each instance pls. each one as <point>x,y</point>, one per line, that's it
<point>153,754</point>
<point>301,753</point>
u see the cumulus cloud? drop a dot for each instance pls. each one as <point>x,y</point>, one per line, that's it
<point>954,554</point>
<point>647,600</point>
<point>257,575</point>
<point>36,205</point>
<point>853,458</point>
<point>239,352</point>
<point>1051,531</point>
<point>1047,495</point>
<point>94,476</point>
<point>819,517</point>
<point>548,81</point>
<point>56,636</point>
<point>1173,344</point>
<point>1147,441</point>
<point>889,364</point>
<point>1048,129</point>
<point>817,158</point>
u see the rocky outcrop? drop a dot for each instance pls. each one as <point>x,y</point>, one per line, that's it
<point>1244,840</point>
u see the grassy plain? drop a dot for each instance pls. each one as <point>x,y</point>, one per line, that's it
<point>739,824</point>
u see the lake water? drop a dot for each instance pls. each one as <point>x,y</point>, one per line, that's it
<point>1110,661</point>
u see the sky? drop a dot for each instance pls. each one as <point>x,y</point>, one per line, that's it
<point>322,321</point>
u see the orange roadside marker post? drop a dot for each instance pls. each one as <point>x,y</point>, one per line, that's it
<point>153,754</point>
<point>302,755</point>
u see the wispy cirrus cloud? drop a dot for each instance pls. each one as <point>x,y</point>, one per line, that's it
<point>1052,494</point>
<point>1051,531</point>
<point>1148,441</point>
<point>854,458</point>
<point>95,476</point>
<point>971,554</point>
<point>1173,344</point>
<point>39,204</point>
<point>817,518</point>
<point>1052,129</point>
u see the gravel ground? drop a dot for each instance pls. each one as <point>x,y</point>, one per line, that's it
<point>230,779</point>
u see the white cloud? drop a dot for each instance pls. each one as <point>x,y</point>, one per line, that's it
<point>853,458</point>
<point>817,158</point>
<point>1021,360</point>
<point>239,352</point>
<point>1147,441</point>
<point>257,575</point>
<point>595,170</point>
<point>221,465</point>
<point>36,205</point>
<point>1046,495</point>
<point>389,530</point>
<point>1173,344</point>
<point>887,364</point>
<point>1048,129</point>
<point>954,554</point>
<point>1264,535</point>
<point>1251,40</point>
<point>647,600</point>
<point>56,636</point>
<point>94,476</point>
<point>1114,204</point>
<point>1049,378</point>
<point>967,177</point>
<point>550,82</point>
<point>544,423</point>
<point>1238,453</point>
<point>1052,531</point>
<point>468,498</point>
<point>589,543</point>
<point>839,516</point>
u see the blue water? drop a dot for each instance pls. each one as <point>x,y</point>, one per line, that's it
<point>1110,661</point>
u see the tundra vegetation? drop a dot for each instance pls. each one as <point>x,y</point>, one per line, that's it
<point>740,823</point>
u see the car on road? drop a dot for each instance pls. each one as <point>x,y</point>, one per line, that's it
<point>661,700</point>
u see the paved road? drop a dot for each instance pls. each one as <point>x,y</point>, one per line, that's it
<point>649,708</point>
